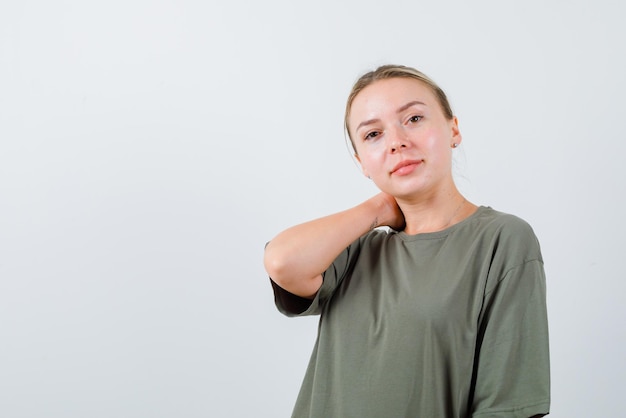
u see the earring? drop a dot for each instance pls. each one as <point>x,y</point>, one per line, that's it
<point>455,145</point>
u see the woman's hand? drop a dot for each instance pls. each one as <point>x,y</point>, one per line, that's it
<point>390,213</point>
<point>296,258</point>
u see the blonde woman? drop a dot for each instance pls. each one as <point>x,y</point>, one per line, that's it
<point>443,313</point>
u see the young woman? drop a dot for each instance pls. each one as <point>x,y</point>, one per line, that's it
<point>443,314</point>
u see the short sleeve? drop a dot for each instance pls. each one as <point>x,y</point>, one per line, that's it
<point>292,305</point>
<point>512,367</point>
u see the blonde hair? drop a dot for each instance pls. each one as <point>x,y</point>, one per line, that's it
<point>394,71</point>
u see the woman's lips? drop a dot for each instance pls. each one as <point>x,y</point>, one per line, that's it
<point>405,167</point>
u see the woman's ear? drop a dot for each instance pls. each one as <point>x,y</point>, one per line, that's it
<point>456,132</point>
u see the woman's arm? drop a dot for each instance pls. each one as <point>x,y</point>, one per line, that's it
<point>296,258</point>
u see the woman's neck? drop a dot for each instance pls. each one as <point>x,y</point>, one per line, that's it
<point>435,213</point>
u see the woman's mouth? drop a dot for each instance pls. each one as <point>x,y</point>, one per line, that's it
<point>405,167</point>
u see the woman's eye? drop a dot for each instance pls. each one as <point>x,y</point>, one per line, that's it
<point>371,135</point>
<point>415,118</point>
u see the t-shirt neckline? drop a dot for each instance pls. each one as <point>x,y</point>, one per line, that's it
<point>438,234</point>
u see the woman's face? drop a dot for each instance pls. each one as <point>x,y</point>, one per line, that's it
<point>402,138</point>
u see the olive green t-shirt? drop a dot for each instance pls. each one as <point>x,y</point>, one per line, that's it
<point>445,324</point>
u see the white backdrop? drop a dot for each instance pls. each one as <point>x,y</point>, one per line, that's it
<point>149,149</point>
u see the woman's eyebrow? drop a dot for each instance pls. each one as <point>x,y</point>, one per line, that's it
<point>365,123</point>
<point>409,104</point>
<point>400,110</point>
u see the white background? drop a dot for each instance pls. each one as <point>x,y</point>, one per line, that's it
<point>149,149</point>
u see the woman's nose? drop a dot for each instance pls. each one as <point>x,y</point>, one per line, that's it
<point>397,140</point>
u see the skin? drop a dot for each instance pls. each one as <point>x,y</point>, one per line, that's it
<point>392,122</point>
<point>399,121</point>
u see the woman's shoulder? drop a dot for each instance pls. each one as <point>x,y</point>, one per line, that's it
<point>377,236</point>
<point>505,222</point>
<point>507,230</point>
